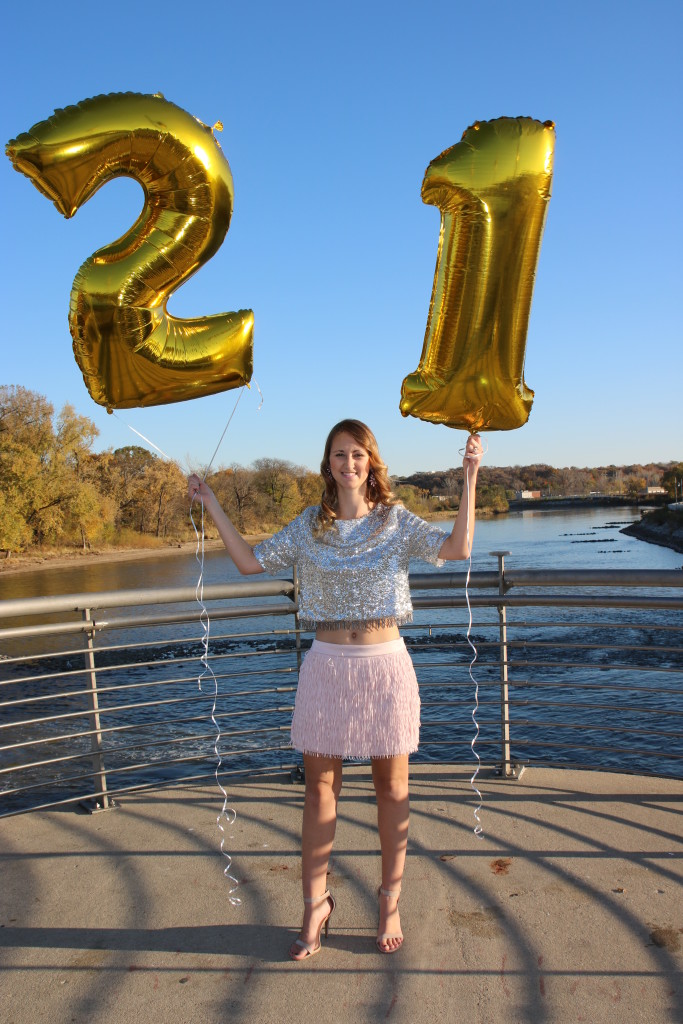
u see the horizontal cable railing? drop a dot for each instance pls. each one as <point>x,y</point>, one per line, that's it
<point>105,693</point>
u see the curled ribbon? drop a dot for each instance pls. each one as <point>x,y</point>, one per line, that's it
<point>478,830</point>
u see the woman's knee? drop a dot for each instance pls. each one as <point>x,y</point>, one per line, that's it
<point>392,792</point>
<point>323,784</point>
<point>320,792</point>
<point>390,786</point>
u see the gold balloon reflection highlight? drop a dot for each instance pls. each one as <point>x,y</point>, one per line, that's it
<point>130,350</point>
<point>493,189</point>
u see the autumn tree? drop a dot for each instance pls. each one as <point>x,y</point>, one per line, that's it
<point>310,488</point>
<point>452,484</point>
<point>45,468</point>
<point>492,498</point>
<point>166,492</point>
<point>634,484</point>
<point>26,441</point>
<point>280,496</point>
<point>416,499</point>
<point>149,493</point>
<point>236,490</point>
<point>122,477</point>
<point>86,510</point>
<point>672,479</point>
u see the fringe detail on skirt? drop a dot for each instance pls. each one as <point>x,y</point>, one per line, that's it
<point>355,704</point>
<point>390,620</point>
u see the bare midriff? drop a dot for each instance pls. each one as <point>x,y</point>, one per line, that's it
<point>370,634</point>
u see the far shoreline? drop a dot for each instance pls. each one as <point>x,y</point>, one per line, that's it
<point>35,561</point>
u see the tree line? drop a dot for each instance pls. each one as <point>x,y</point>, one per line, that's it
<point>497,485</point>
<point>55,491</point>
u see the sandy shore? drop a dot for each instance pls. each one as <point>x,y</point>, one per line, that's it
<point>31,561</point>
<point>57,560</point>
<point>666,536</point>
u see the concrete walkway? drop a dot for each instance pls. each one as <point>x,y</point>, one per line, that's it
<point>568,909</point>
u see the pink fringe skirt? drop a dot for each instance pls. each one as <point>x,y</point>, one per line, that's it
<point>357,701</point>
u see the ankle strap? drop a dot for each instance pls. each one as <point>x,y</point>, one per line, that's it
<point>388,892</point>
<point>317,899</point>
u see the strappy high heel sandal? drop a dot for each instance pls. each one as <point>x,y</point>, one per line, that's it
<point>385,936</point>
<point>311,950</point>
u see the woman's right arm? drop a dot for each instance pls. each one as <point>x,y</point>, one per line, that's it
<point>235,544</point>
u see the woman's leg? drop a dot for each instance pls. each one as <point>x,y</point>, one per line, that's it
<point>323,785</point>
<point>390,776</point>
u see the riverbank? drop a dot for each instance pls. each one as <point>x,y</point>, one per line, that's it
<point>29,561</point>
<point>663,527</point>
<point>659,527</point>
<point>32,560</point>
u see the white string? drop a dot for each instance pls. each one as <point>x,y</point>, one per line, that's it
<point>225,430</point>
<point>228,815</point>
<point>478,830</point>
<point>254,382</point>
<point>147,441</point>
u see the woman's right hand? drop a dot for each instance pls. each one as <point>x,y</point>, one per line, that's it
<point>239,550</point>
<point>198,488</point>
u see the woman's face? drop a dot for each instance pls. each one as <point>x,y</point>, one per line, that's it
<point>349,463</point>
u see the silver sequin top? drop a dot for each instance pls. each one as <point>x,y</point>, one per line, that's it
<point>356,572</point>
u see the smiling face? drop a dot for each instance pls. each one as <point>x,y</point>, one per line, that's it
<point>349,463</point>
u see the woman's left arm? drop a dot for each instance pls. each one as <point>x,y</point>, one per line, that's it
<point>456,546</point>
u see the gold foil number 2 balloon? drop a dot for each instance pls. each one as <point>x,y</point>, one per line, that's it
<point>130,350</point>
<point>493,189</point>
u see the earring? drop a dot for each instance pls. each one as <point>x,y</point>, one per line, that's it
<point>371,478</point>
<point>328,472</point>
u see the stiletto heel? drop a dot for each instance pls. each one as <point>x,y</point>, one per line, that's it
<point>389,935</point>
<point>311,950</point>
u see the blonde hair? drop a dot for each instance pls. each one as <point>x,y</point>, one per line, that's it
<point>378,492</point>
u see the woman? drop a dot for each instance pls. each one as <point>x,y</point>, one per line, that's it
<point>357,695</point>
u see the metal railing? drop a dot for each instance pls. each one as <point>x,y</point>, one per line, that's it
<point>95,704</point>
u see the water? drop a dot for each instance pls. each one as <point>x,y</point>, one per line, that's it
<point>547,707</point>
<point>535,539</point>
<point>558,539</point>
<point>563,539</point>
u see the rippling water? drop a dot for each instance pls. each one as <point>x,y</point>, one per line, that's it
<point>536,539</point>
<point>557,539</point>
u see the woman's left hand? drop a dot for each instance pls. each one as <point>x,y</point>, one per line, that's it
<point>473,452</point>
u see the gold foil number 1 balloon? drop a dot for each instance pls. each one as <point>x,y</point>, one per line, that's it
<point>130,350</point>
<point>493,189</point>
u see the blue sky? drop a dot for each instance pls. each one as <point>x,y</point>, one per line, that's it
<point>331,115</point>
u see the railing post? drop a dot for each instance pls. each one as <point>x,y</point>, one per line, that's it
<point>507,770</point>
<point>298,772</point>
<point>295,581</point>
<point>103,801</point>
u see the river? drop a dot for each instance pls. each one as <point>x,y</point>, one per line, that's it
<point>558,539</point>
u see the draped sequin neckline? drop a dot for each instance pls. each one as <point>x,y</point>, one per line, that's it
<point>357,519</point>
<point>358,530</point>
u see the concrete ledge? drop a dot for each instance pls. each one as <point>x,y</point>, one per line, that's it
<point>568,909</point>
